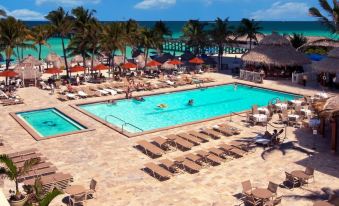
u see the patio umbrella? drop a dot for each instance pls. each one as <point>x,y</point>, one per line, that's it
<point>53,71</point>
<point>175,62</point>
<point>196,60</point>
<point>153,63</point>
<point>8,73</point>
<point>77,69</point>
<point>129,65</point>
<point>100,67</point>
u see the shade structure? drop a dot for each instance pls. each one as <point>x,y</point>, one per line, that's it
<point>175,62</point>
<point>8,73</point>
<point>168,66</point>
<point>196,60</point>
<point>330,107</point>
<point>118,60</point>
<point>77,59</point>
<point>323,42</point>
<point>53,57</point>
<point>100,67</point>
<point>77,69</point>
<point>153,63</point>
<point>53,71</point>
<point>329,64</point>
<point>275,50</point>
<point>129,65</point>
<point>28,72</point>
<point>30,60</point>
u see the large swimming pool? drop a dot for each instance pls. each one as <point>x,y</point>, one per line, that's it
<point>208,103</point>
<point>46,123</point>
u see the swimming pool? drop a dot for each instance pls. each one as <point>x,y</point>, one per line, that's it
<point>208,103</point>
<point>47,123</point>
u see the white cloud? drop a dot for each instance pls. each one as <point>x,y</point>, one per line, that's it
<point>67,2</point>
<point>282,10</point>
<point>159,4</point>
<point>24,14</point>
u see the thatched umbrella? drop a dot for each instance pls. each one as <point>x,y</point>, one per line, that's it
<point>168,65</point>
<point>330,107</point>
<point>324,42</point>
<point>118,60</point>
<point>329,64</point>
<point>30,60</point>
<point>77,59</point>
<point>28,73</point>
<point>52,57</point>
<point>140,60</point>
<point>275,50</point>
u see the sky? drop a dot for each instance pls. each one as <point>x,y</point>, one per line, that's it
<point>170,10</point>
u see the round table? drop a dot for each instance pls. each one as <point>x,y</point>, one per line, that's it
<point>75,189</point>
<point>299,174</point>
<point>262,193</point>
<point>322,203</point>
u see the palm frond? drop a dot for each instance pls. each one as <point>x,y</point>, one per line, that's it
<point>28,164</point>
<point>11,169</point>
<point>326,6</point>
<point>49,197</point>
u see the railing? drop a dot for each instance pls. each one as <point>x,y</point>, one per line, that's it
<point>124,123</point>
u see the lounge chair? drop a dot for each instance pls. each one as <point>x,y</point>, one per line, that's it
<point>195,158</point>
<point>44,86</point>
<point>234,130</point>
<point>22,153</point>
<point>169,165</point>
<point>150,149</point>
<point>200,135</point>
<point>212,133</point>
<point>111,91</point>
<point>217,152</point>
<point>210,158</point>
<point>91,93</point>
<point>38,173</point>
<point>161,142</point>
<point>190,138</point>
<point>62,97</point>
<point>231,150</point>
<point>188,165</point>
<point>80,93</point>
<point>179,142</point>
<point>71,96</point>
<point>102,92</point>
<point>157,171</point>
<point>224,131</point>
<point>77,199</point>
<point>58,180</point>
<point>24,158</point>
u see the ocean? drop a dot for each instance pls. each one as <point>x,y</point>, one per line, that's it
<point>307,28</point>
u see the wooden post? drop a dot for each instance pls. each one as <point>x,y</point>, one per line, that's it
<point>333,135</point>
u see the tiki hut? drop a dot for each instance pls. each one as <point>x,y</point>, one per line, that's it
<point>28,74</point>
<point>77,59</point>
<point>52,57</point>
<point>118,60</point>
<point>30,60</point>
<point>329,64</point>
<point>276,56</point>
<point>323,42</point>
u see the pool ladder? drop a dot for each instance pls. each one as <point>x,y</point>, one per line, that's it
<point>124,123</point>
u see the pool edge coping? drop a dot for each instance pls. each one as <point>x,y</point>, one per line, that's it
<point>36,135</point>
<point>130,135</point>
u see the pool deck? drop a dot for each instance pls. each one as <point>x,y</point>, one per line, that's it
<point>110,158</point>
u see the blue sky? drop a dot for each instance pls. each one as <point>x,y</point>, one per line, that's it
<point>283,10</point>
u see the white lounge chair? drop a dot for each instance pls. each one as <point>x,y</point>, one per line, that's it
<point>3,95</point>
<point>170,82</point>
<point>45,86</point>
<point>71,96</point>
<point>112,91</point>
<point>82,94</point>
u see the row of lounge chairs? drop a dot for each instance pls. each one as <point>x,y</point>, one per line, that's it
<point>194,162</point>
<point>8,100</point>
<point>44,170</point>
<point>184,141</point>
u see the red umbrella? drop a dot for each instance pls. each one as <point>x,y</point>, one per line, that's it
<point>77,69</point>
<point>153,63</point>
<point>196,60</point>
<point>53,71</point>
<point>8,73</point>
<point>100,67</point>
<point>129,65</point>
<point>175,62</point>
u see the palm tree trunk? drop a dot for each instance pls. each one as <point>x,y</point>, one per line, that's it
<point>250,43</point>
<point>220,53</point>
<point>146,56</point>
<point>18,53</point>
<point>83,61</point>
<point>39,57</point>
<point>65,58</point>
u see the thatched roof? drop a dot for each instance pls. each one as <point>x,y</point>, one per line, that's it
<point>329,64</point>
<point>53,57</point>
<point>77,59</point>
<point>30,60</point>
<point>118,60</point>
<point>330,107</point>
<point>166,65</point>
<point>28,73</point>
<point>324,42</point>
<point>140,60</point>
<point>275,50</point>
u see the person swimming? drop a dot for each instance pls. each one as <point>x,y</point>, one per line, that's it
<point>140,99</point>
<point>190,102</point>
<point>162,106</point>
<point>235,86</point>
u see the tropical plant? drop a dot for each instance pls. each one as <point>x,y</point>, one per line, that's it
<point>132,33</point>
<point>297,40</point>
<point>195,35</point>
<point>148,40</point>
<point>37,195</point>
<point>61,24</point>
<point>39,35</point>
<point>220,35</point>
<point>249,29</point>
<point>333,23</point>
<point>92,33</point>
<point>2,12</point>
<point>161,31</point>
<point>111,40</point>
<point>12,172</point>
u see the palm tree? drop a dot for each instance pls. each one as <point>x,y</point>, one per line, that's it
<point>132,33</point>
<point>92,32</point>
<point>148,40</point>
<point>111,40</point>
<point>61,23</point>
<point>161,30</point>
<point>220,35</point>
<point>13,173</point>
<point>2,12</point>
<point>249,29</point>
<point>194,35</point>
<point>40,35</point>
<point>333,23</point>
<point>297,40</point>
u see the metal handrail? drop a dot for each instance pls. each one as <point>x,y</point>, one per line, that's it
<point>126,123</point>
<point>106,117</point>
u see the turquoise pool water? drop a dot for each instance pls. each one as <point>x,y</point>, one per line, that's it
<point>208,103</point>
<point>50,122</point>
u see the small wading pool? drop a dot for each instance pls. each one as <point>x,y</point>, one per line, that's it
<point>48,123</point>
<point>138,117</point>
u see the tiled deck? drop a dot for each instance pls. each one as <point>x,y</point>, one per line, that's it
<point>110,158</point>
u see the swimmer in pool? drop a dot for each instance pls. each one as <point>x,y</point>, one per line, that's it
<point>235,86</point>
<point>190,102</point>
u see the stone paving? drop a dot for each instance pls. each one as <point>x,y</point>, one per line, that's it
<point>111,159</point>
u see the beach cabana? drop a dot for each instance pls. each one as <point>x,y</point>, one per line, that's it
<point>30,60</point>
<point>28,74</point>
<point>328,67</point>
<point>276,56</point>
